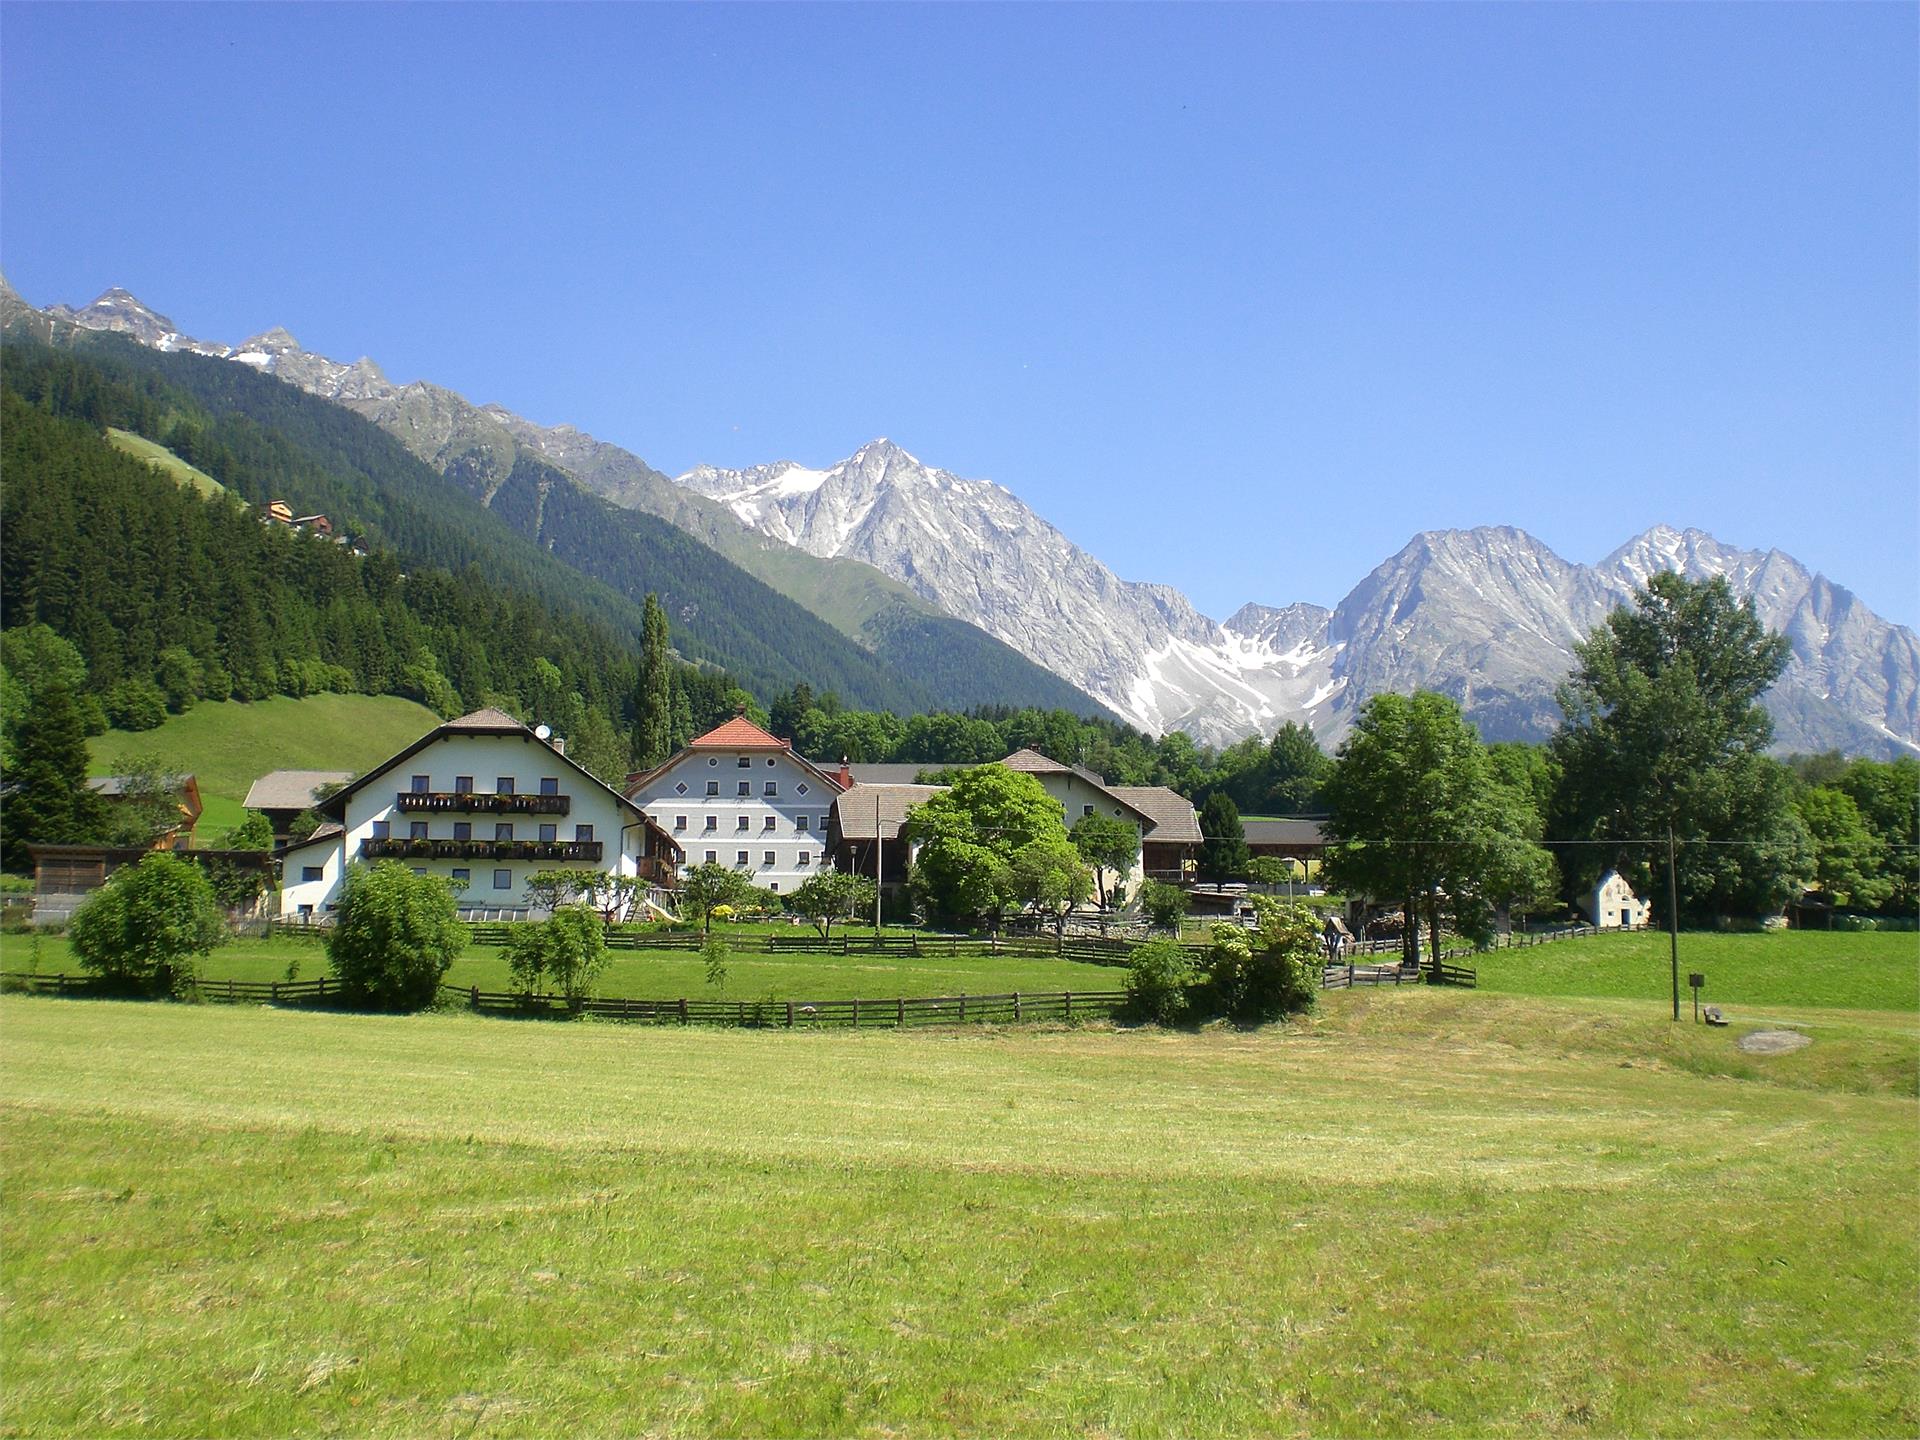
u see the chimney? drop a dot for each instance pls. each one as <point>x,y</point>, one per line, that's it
<point>845,777</point>
<point>559,744</point>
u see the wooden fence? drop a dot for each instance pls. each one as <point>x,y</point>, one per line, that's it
<point>323,990</point>
<point>900,1011</point>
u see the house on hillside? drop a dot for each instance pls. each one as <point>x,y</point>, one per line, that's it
<point>1612,905</point>
<point>278,512</point>
<point>867,818</point>
<point>739,796</point>
<point>318,524</point>
<point>485,802</point>
<point>281,795</point>
<point>187,801</point>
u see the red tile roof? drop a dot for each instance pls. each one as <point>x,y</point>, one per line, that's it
<point>739,733</point>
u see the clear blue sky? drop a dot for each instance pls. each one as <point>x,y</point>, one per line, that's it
<point>1240,298</point>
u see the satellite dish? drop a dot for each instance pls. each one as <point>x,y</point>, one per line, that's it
<point>543,732</point>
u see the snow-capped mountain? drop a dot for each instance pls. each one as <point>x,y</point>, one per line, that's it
<point>1488,615</point>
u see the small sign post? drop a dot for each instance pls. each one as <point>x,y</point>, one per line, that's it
<point>1696,980</point>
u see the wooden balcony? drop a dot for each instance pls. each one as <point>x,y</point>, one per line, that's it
<point>656,871</point>
<point>561,851</point>
<point>469,802</point>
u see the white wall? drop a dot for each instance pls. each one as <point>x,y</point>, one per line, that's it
<point>678,803</point>
<point>1075,794</point>
<point>485,758</point>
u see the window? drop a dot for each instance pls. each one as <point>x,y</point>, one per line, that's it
<point>680,822</point>
<point>823,822</point>
<point>382,829</point>
<point>306,912</point>
<point>549,784</point>
<point>681,788</point>
<point>583,832</point>
<point>740,822</point>
<point>713,760</point>
<point>463,784</point>
<point>503,830</point>
<point>419,869</point>
<point>713,823</point>
<point>549,833</point>
<point>772,787</point>
<point>800,823</point>
<point>745,761</point>
<point>768,824</point>
<point>801,788</point>
<point>463,830</point>
<point>769,859</point>
<point>774,886</point>
<point>417,830</point>
<point>713,787</point>
<point>419,784</point>
<point>806,858</point>
<point>712,855</point>
<point>739,857</point>
<point>503,879</point>
<point>503,785</point>
<point>462,875</point>
<point>769,759</point>
<point>746,788</point>
<point>311,872</point>
<point>1086,809</point>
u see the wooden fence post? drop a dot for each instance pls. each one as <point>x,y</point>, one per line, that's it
<point>683,1009</point>
<point>963,1009</point>
<point>856,1014</point>
<point>1016,1007</point>
<point>900,1012</point>
<point>1068,997</point>
<point>789,1014</point>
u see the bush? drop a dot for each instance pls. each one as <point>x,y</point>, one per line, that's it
<point>1263,974</point>
<point>569,948</point>
<point>136,705</point>
<point>394,936</point>
<point>1164,905</point>
<point>1158,978</point>
<point>146,926</point>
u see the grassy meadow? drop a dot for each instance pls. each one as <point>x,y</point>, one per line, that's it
<point>228,745</point>
<point>1422,1210</point>
<point>165,461</point>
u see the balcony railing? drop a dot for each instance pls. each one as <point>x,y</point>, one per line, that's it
<point>657,871</point>
<point>407,849</point>
<point>481,803</point>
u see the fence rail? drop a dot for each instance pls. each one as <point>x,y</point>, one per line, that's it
<point>232,992</point>
<point>899,1011</point>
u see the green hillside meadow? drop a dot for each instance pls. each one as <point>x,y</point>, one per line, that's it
<point>164,459</point>
<point>229,745</point>
<point>1443,1211</point>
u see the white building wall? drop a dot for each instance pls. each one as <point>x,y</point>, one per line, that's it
<point>491,883</point>
<point>1076,794</point>
<point>1614,904</point>
<point>784,835</point>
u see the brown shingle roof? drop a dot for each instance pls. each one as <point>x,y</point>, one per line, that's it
<point>1293,831</point>
<point>291,789</point>
<point>854,810</point>
<point>1174,822</point>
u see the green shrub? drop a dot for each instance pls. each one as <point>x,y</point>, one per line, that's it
<point>1159,977</point>
<point>394,936</point>
<point>1163,905</point>
<point>146,927</point>
<point>136,705</point>
<point>1265,973</point>
<point>569,948</point>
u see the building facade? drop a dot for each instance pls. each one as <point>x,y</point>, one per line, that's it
<point>740,797</point>
<point>484,802</point>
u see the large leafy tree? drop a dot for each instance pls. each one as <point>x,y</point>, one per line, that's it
<point>1888,797</point>
<point>1106,842</point>
<point>1419,817</point>
<point>1849,860</point>
<point>1664,736</point>
<point>569,948</point>
<point>969,833</point>
<point>1050,875</point>
<point>706,888</point>
<point>149,924</point>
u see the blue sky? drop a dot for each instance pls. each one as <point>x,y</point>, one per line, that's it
<point>1238,297</point>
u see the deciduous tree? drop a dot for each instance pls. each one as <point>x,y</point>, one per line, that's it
<point>149,924</point>
<point>832,895</point>
<point>394,935</point>
<point>1106,842</point>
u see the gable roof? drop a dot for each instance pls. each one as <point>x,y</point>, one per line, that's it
<point>1293,830</point>
<point>1171,813</point>
<point>863,808</point>
<point>291,789</point>
<point>186,789</point>
<point>739,733</point>
<point>480,722</point>
<point>326,830</point>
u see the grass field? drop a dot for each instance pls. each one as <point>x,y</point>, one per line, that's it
<point>1869,971</point>
<point>229,745</point>
<point>1425,1210</point>
<point>659,975</point>
<point>164,459</point>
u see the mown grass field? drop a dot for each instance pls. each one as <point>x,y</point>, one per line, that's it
<point>1424,1210</point>
<point>229,745</point>
<point>1868,971</point>
<point>164,460</point>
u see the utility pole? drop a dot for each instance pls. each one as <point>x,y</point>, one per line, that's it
<point>1673,919</point>
<point>877,842</point>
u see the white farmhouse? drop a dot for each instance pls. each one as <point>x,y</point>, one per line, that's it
<point>483,801</point>
<point>1613,905</point>
<point>1082,793</point>
<point>739,797</point>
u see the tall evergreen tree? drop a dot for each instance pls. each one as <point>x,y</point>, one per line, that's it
<point>1223,851</point>
<point>653,707</point>
<point>48,801</point>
